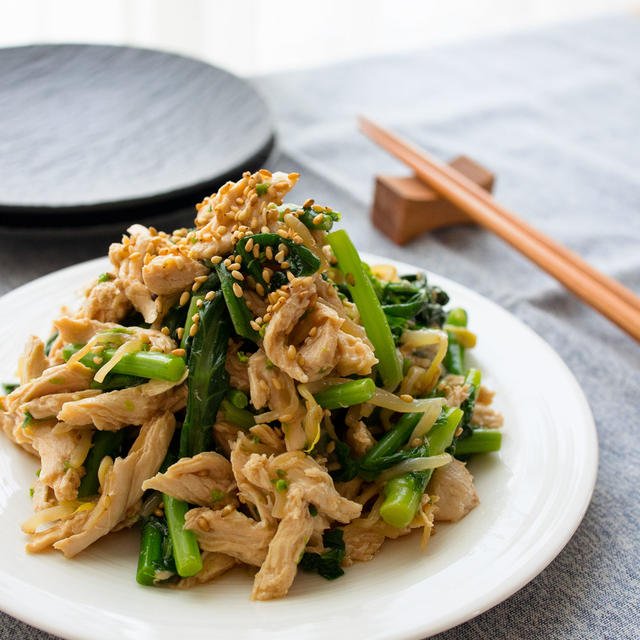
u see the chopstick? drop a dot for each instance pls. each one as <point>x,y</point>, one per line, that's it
<point>606,295</point>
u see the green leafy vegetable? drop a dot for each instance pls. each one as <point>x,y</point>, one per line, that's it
<point>328,563</point>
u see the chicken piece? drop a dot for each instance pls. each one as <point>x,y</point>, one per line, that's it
<point>270,385</point>
<point>359,438</point>
<point>303,471</point>
<point>62,378</point>
<point>238,371</point>
<point>81,330</point>
<point>42,496</point>
<point>268,437</point>
<point>199,480</point>
<point>248,493</point>
<point>225,434</point>
<point>43,540</point>
<point>485,416</point>
<point>355,356</point>
<point>167,274</point>
<point>61,458</point>
<point>281,564</point>
<point>238,203</point>
<point>131,406</point>
<point>11,425</point>
<point>363,539</point>
<point>122,485</point>
<point>453,485</point>
<point>33,361</point>
<point>105,302</point>
<point>49,406</point>
<point>128,259</point>
<point>213,566</point>
<point>276,343</point>
<point>230,532</point>
<point>454,389</point>
<point>326,345</point>
<point>256,304</point>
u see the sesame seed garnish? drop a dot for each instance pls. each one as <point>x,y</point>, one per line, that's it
<point>226,262</point>
<point>199,303</point>
<point>249,244</point>
<point>165,330</point>
<point>265,229</point>
<point>184,298</point>
<point>196,286</point>
<point>237,275</point>
<point>238,259</point>
<point>313,331</point>
<point>210,295</point>
<point>180,332</point>
<point>280,256</point>
<point>179,352</point>
<point>237,290</point>
<point>233,267</point>
<point>297,238</point>
<point>317,208</point>
<point>267,317</point>
<point>200,279</point>
<point>266,275</point>
<point>256,251</point>
<point>301,360</point>
<point>269,253</point>
<point>254,325</point>
<point>259,289</point>
<point>406,397</point>
<point>308,203</point>
<point>286,265</point>
<point>318,219</point>
<point>291,352</point>
<point>97,359</point>
<point>290,276</point>
<point>195,317</point>
<point>193,330</point>
<point>216,259</point>
<point>283,233</point>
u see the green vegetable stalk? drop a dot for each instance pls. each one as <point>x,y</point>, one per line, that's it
<point>371,314</point>
<point>105,443</point>
<point>480,441</point>
<point>454,358</point>
<point>143,364</point>
<point>155,562</point>
<point>238,310</point>
<point>404,493</point>
<point>345,395</point>
<point>186,552</point>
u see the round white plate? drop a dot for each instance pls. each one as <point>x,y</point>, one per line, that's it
<point>533,494</point>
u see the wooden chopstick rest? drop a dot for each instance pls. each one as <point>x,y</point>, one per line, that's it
<point>404,207</point>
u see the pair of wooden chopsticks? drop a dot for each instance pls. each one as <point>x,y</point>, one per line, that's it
<point>606,295</point>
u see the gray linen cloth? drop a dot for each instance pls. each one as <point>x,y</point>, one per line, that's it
<point>556,115</point>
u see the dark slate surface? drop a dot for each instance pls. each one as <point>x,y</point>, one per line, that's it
<point>88,133</point>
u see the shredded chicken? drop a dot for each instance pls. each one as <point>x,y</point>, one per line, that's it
<point>122,486</point>
<point>116,409</point>
<point>167,274</point>
<point>213,566</point>
<point>49,406</point>
<point>81,330</point>
<point>105,302</point>
<point>33,361</point>
<point>230,532</point>
<point>281,564</point>
<point>238,370</point>
<point>453,485</point>
<point>205,479</point>
<point>218,213</point>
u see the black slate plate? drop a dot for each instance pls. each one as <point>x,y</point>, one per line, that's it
<point>94,134</point>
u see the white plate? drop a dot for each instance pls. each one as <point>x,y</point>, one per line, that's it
<point>533,495</point>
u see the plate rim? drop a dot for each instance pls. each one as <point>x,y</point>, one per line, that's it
<point>484,602</point>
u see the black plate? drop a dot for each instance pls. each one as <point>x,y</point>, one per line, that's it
<point>94,134</point>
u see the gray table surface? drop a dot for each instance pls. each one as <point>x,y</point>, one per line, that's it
<point>556,114</point>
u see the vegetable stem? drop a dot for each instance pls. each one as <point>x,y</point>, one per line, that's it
<point>185,545</point>
<point>454,358</point>
<point>105,443</point>
<point>371,314</point>
<point>347,394</point>
<point>480,441</point>
<point>143,364</point>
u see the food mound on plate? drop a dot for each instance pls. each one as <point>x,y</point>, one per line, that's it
<point>248,391</point>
